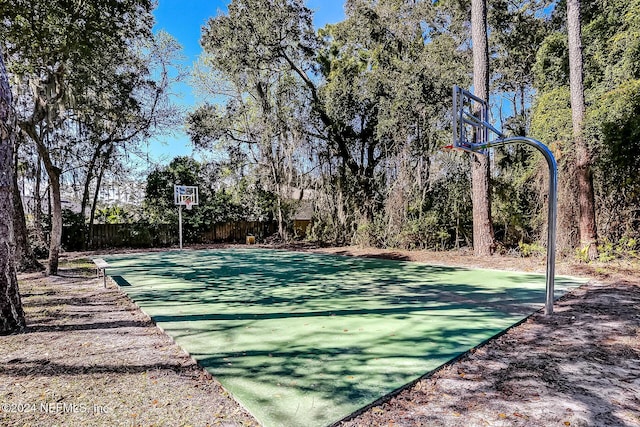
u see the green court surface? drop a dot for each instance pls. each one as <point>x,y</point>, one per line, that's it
<point>306,339</point>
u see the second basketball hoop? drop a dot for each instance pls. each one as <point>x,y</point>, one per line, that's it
<point>187,196</point>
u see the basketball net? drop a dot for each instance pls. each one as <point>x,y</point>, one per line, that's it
<point>188,204</point>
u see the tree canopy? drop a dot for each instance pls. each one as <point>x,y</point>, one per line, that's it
<point>346,120</point>
<point>88,77</point>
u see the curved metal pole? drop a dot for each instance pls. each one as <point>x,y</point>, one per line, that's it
<point>553,208</point>
<point>461,119</point>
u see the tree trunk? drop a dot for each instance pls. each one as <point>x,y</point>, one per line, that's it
<point>282,231</point>
<point>55,243</point>
<point>54,172</point>
<point>25,259</point>
<point>87,183</point>
<point>94,204</point>
<point>85,199</point>
<point>11,313</point>
<point>483,237</point>
<point>585,192</point>
<point>37,213</point>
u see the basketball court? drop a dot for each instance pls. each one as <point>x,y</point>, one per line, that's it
<point>306,339</point>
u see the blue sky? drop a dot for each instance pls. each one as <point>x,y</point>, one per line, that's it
<point>183,20</point>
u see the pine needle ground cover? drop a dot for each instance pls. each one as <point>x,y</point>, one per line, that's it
<point>306,339</point>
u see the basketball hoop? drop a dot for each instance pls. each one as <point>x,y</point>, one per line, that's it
<point>187,196</point>
<point>471,132</point>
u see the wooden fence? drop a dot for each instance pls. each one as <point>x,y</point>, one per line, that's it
<point>238,231</point>
<point>141,235</point>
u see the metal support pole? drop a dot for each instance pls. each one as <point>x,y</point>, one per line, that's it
<point>180,224</point>
<point>552,213</point>
<point>463,118</point>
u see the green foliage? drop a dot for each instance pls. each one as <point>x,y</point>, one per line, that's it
<point>551,68</point>
<point>89,78</point>
<point>515,207</point>
<point>531,249</point>
<point>42,33</point>
<point>426,232</point>
<point>113,215</point>
<point>159,198</point>
<point>207,125</point>
<point>626,248</point>
<point>582,254</point>
<point>612,68</point>
<point>386,87</point>
<point>552,118</point>
<point>258,33</point>
<point>75,56</point>
<point>612,43</point>
<point>613,125</point>
<point>355,113</point>
<point>72,218</point>
<point>368,234</point>
<point>76,230</point>
<point>234,201</point>
<point>370,88</point>
<point>259,68</point>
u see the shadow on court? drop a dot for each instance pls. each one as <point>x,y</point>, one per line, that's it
<point>306,339</point>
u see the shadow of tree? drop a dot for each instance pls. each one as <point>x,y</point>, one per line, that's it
<point>578,367</point>
<point>27,367</point>
<point>88,326</point>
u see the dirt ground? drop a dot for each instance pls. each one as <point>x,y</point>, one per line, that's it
<point>91,357</point>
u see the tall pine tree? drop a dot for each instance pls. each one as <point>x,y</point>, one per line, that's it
<point>11,314</point>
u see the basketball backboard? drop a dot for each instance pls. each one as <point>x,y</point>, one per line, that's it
<point>471,125</point>
<point>185,195</point>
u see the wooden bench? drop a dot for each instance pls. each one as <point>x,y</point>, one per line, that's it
<point>101,267</point>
